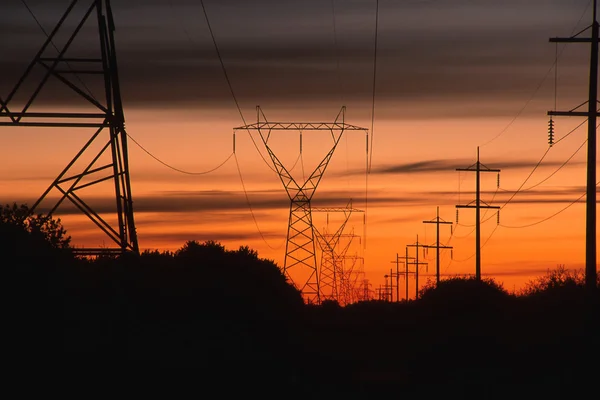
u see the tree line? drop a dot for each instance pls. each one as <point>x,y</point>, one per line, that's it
<point>233,314</point>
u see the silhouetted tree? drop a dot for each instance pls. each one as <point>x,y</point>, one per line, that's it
<point>40,228</point>
<point>557,279</point>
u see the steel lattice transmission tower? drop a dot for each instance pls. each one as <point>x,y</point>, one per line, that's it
<point>59,68</point>
<point>332,279</point>
<point>300,265</point>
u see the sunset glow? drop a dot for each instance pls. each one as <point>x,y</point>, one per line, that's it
<point>448,80</point>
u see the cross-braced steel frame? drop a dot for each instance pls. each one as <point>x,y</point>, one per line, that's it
<point>107,120</point>
<point>300,265</point>
<point>332,276</point>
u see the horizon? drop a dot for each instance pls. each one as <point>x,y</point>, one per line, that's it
<point>449,79</point>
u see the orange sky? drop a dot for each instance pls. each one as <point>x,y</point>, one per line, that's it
<point>418,142</point>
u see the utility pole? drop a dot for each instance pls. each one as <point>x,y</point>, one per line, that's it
<point>388,288</point>
<point>416,245</point>
<point>591,114</point>
<point>437,221</point>
<point>477,168</point>
<point>397,275</point>
<point>406,271</point>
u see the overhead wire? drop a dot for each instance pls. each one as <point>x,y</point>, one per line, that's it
<point>539,163</point>
<point>225,73</point>
<point>250,205</point>
<point>243,120</point>
<point>551,216</point>
<point>538,87</point>
<point>177,169</point>
<point>369,140</point>
<point>558,169</point>
<point>374,83</point>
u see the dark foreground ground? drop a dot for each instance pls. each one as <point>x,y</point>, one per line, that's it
<point>209,322</point>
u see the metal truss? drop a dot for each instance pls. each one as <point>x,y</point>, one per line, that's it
<point>56,62</point>
<point>332,276</point>
<point>300,265</point>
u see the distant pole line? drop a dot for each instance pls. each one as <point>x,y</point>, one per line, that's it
<point>416,263</point>
<point>437,246</point>
<point>477,168</point>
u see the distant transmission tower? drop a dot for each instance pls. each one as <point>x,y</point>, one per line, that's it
<point>300,264</point>
<point>57,69</point>
<point>331,274</point>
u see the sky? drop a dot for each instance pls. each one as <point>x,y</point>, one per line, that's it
<point>430,81</point>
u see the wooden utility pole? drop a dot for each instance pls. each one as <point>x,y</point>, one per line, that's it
<point>437,246</point>
<point>591,114</point>
<point>477,168</point>
<point>416,245</point>
<point>406,270</point>
<point>397,275</point>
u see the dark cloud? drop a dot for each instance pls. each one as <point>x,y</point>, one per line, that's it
<point>450,165</point>
<point>279,53</point>
<point>223,204</point>
<point>204,235</point>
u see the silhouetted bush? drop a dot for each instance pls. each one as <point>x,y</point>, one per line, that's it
<point>560,279</point>
<point>463,293</point>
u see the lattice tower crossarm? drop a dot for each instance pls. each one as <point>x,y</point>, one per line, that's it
<point>110,163</point>
<point>300,265</point>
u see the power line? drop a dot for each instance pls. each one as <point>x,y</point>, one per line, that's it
<point>250,206</point>
<point>222,63</point>
<point>539,163</point>
<point>473,255</point>
<point>550,217</point>
<point>559,168</point>
<point>369,149</point>
<point>374,81</point>
<point>177,169</point>
<point>553,66</point>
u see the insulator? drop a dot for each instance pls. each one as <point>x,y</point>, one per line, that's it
<point>451,230</point>
<point>498,218</point>
<point>452,254</point>
<point>457,216</point>
<point>300,142</point>
<point>498,181</point>
<point>234,142</point>
<point>551,132</point>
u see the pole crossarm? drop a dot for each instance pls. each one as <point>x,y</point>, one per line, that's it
<point>475,206</point>
<point>434,246</point>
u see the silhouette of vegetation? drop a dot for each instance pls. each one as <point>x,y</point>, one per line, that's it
<point>559,279</point>
<point>233,316</point>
